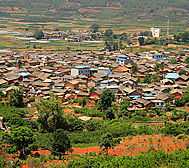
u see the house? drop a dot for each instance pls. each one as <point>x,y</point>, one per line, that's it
<point>74,84</point>
<point>113,82</point>
<point>96,94</point>
<point>121,69</point>
<point>172,76</point>
<point>142,103</point>
<point>158,103</point>
<point>182,78</point>
<point>78,70</point>
<point>114,89</point>
<point>81,95</point>
<point>177,93</point>
<point>2,81</point>
<point>11,77</point>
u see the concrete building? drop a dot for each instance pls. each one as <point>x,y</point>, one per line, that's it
<point>154,55</point>
<point>122,60</point>
<point>155,32</point>
<point>103,70</point>
<point>80,70</point>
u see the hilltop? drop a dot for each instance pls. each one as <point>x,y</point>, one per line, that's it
<point>140,10</point>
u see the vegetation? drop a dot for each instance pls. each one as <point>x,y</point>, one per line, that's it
<point>61,142</point>
<point>149,159</point>
<point>107,141</point>
<point>16,98</point>
<point>106,99</point>
<point>38,34</point>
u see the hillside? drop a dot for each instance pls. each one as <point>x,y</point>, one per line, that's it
<point>106,9</point>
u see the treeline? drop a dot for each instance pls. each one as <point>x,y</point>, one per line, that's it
<point>181,38</point>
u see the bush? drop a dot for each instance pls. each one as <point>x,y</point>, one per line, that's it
<point>181,136</point>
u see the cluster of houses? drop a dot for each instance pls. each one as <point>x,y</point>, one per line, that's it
<point>71,75</point>
<point>71,35</point>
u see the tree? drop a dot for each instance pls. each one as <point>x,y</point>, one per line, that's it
<point>156,67</point>
<point>21,137</point>
<point>92,89</point>
<point>75,124</point>
<point>115,46</point>
<point>61,143</point>
<point>147,78</point>
<point>173,61</point>
<point>106,99</point>
<point>162,66</point>
<point>16,98</point>
<point>108,33</point>
<point>123,107</point>
<point>171,96</point>
<point>51,114</point>
<point>109,114</point>
<point>156,110</point>
<point>182,72</point>
<point>107,141</point>
<point>134,67</point>
<point>182,54</point>
<point>94,28</point>
<point>19,63</point>
<point>141,40</point>
<point>185,115</point>
<point>84,101</point>
<point>38,34</point>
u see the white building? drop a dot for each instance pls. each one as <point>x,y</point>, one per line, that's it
<point>103,70</point>
<point>154,55</point>
<point>80,70</point>
<point>155,32</point>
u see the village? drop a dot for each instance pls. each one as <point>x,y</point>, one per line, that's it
<point>71,75</point>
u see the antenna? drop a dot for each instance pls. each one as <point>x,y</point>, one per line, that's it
<point>168,28</point>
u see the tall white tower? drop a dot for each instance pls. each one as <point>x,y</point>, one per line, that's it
<point>168,28</point>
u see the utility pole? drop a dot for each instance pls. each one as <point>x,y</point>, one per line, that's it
<point>168,28</point>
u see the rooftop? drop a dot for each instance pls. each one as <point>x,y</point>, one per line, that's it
<point>81,67</point>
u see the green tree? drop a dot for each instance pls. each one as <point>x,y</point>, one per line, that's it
<point>185,115</point>
<point>123,107</point>
<point>141,40</point>
<point>106,99</point>
<point>134,67</point>
<point>3,161</point>
<point>21,137</point>
<point>75,124</point>
<point>100,57</point>
<point>61,143</point>
<point>84,101</point>
<point>94,28</point>
<point>16,98</point>
<point>51,115</point>
<point>147,78</point>
<point>182,72</point>
<point>19,63</point>
<point>182,54</point>
<point>162,66</point>
<point>108,33</point>
<point>173,61</point>
<point>156,110</point>
<point>109,114</point>
<point>38,34</point>
<point>92,89</point>
<point>115,46</point>
<point>107,141</point>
